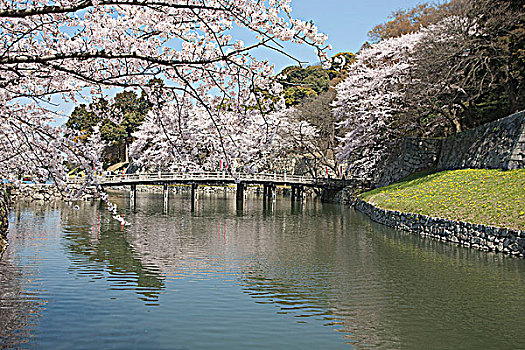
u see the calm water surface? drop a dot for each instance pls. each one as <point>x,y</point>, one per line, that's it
<point>308,276</point>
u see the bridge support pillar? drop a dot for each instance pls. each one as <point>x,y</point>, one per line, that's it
<point>133,196</point>
<point>297,193</point>
<point>269,191</point>
<point>266,191</point>
<point>194,196</point>
<point>165,192</point>
<point>272,192</point>
<point>240,191</point>
<point>240,194</point>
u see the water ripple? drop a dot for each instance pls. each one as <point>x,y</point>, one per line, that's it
<point>305,276</point>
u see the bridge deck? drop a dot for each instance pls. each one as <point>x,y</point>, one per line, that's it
<point>201,178</point>
<point>215,178</point>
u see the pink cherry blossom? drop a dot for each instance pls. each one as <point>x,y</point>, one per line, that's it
<point>61,50</point>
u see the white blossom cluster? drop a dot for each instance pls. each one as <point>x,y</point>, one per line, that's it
<point>184,137</point>
<point>59,50</point>
<point>370,100</point>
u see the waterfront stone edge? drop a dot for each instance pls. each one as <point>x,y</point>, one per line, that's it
<point>478,236</point>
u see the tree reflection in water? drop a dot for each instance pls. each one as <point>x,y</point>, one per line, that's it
<point>100,250</point>
<point>320,263</point>
<point>21,300</point>
<point>309,263</point>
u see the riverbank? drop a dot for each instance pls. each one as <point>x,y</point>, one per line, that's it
<point>479,208</point>
<point>48,192</point>
<point>480,196</point>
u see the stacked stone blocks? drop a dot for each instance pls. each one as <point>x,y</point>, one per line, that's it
<point>483,237</point>
<point>497,145</point>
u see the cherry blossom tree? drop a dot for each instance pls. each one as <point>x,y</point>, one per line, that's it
<point>185,137</point>
<point>460,71</point>
<point>370,103</point>
<point>61,50</point>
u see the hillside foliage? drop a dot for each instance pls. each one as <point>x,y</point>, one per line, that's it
<point>460,65</point>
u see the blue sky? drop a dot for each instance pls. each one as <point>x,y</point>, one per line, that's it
<point>346,22</point>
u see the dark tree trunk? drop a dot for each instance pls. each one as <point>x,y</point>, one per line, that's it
<point>4,211</point>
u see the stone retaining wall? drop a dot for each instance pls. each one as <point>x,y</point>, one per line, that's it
<point>477,236</point>
<point>413,155</point>
<point>496,145</point>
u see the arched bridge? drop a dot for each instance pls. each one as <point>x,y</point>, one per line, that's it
<point>268,180</point>
<point>209,178</point>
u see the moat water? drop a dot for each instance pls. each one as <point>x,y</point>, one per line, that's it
<point>274,276</point>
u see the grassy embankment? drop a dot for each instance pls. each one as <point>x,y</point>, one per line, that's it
<point>480,196</point>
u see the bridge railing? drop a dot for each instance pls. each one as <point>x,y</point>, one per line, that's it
<point>217,177</point>
<point>200,177</point>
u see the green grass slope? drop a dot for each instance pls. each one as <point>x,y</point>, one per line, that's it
<point>480,196</point>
